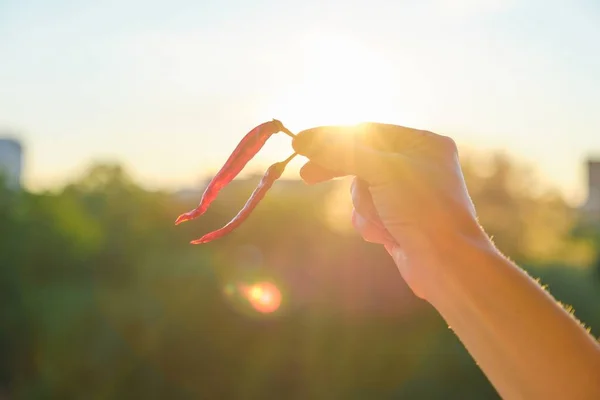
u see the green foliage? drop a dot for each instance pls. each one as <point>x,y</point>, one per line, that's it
<point>529,221</point>
<point>101,296</point>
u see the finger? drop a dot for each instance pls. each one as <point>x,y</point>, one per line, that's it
<point>340,148</point>
<point>364,206</point>
<point>390,249</point>
<point>363,202</point>
<point>399,257</point>
<point>397,139</point>
<point>369,231</point>
<point>312,173</point>
<point>403,140</point>
<point>391,138</point>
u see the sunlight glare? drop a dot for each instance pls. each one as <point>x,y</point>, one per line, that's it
<point>344,82</point>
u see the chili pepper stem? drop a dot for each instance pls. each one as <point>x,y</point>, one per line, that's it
<point>288,132</point>
<point>287,160</point>
<point>284,129</point>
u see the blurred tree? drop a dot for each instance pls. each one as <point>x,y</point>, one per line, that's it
<point>589,231</point>
<point>528,221</point>
<point>103,297</point>
<point>16,333</point>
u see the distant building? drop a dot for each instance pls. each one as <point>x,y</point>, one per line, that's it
<point>11,162</point>
<point>591,208</point>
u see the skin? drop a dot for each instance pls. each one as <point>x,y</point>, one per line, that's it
<point>409,194</point>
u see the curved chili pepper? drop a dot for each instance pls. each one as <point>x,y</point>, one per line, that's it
<point>247,148</point>
<point>273,173</point>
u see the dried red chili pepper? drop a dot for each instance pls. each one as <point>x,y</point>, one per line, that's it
<point>246,149</point>
<point>273,173</point>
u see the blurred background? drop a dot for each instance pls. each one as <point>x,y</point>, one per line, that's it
<point>114,115</point>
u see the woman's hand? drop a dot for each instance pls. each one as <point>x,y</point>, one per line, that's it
<point>409,193</point>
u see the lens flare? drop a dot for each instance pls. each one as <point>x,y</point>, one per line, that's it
<point>265,297</point>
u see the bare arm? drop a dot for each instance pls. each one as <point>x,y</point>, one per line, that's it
<point>528,346</point>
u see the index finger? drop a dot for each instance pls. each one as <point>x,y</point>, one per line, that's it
<point>361,150</point>
<point>391,138</point>
<point>341,149</point>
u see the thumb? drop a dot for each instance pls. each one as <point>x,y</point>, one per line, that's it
<point>341,149</point>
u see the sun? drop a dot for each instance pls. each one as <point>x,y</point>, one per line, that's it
<point>343,82</point>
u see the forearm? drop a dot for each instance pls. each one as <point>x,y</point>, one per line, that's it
<point>524,341</point>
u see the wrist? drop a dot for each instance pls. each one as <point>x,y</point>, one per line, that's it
<point>460,255</point>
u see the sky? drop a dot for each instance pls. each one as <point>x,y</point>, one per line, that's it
<point>168,87</point>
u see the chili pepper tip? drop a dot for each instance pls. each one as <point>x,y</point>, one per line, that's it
<point>287,160</point>
<point>185,217</point>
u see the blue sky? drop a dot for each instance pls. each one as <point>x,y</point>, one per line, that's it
<point>168,88</point>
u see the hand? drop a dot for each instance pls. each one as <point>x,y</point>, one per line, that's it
<point>409,193</point>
